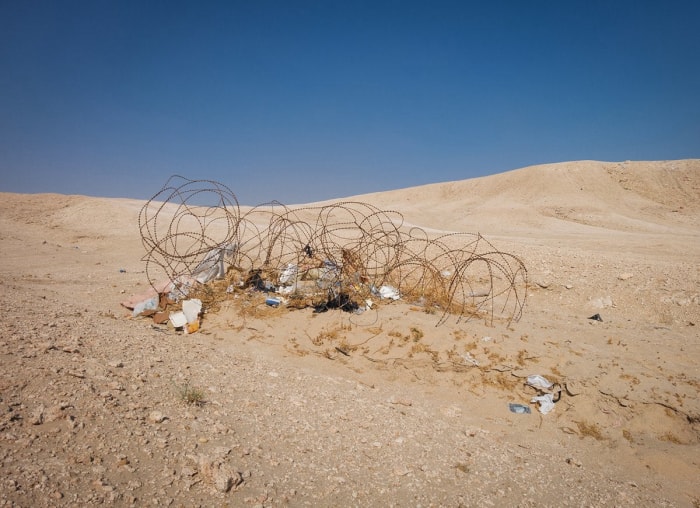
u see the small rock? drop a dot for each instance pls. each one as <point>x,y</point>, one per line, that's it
<point>399,401</point>
<point>573,462</point>
<point>115,364</point>
<point>156,417</point>
<point>116,385</point>
<point>224,478</point>
<point>53,413</point>
<point>569,286</point>
<point>625,276</point>
<point>37,416</point>
<point>188,471</point>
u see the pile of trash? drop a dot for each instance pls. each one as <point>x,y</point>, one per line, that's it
<point>348,255</point>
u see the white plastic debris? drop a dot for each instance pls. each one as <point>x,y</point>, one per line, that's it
<point>212,266</point>
<point>287,290</point>
<point>288,273</point>
<point>468,358</point>
<point>391,292</point>
<point>191,309</point>
<point>546,402</point>
<point>149,304</point>
<point>537,381</point>
<point>178,319</point>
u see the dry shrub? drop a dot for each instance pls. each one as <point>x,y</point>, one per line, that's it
<point>324,336</point>
<point>416,334</point>
<point>190,394</point>
<point>501,380</point>
<point>589,429</point>
<point>671,438</point>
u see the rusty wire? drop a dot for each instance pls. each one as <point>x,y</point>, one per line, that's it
<point>346,248</point>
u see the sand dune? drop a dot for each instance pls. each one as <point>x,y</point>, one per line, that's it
<point>633,196</point>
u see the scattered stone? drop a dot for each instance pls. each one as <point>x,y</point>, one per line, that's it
<point>188,471</point>
<point>156,417</point>
<point>219,474</point>
<point>625,276</point>
<point>225,478</point>
<point>115,364</point>
<point>573,462</point>
<point>37,416</point>
<point>54,413</point>
<point>116,386</point>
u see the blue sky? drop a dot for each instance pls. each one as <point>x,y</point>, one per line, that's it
<point>303,101</point>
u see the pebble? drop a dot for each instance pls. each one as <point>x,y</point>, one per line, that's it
<point>37,416</point>
<point>224,478</point>
<point>156,417</point>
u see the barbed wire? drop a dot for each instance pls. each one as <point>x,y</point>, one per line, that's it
<point>193,232</point>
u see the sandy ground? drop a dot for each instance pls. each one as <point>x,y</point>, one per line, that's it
<point>338,409</point>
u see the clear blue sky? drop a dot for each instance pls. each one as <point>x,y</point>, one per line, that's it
<point>302,101</point>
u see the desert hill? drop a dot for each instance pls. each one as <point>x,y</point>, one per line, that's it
<point>627,196</point>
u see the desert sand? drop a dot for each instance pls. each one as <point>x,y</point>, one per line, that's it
<point>288,407</point>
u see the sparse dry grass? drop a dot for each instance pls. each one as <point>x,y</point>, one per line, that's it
<point>589,429</point>
<point>501,380</point>
<point>670,438</point>
<point>324,336</point>
<point>627,435</point>
<point>190,394</point>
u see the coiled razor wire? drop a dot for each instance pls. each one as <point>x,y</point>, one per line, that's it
<point>193,232</point>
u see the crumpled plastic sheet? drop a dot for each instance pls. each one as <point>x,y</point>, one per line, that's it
<point>546,402</point>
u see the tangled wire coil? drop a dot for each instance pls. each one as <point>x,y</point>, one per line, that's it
<point>193,231</point>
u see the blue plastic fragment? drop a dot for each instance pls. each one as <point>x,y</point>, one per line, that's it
<point>273,302</point>
<point>519,408</point>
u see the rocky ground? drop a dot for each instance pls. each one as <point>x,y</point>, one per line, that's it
<point>275,407</point>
